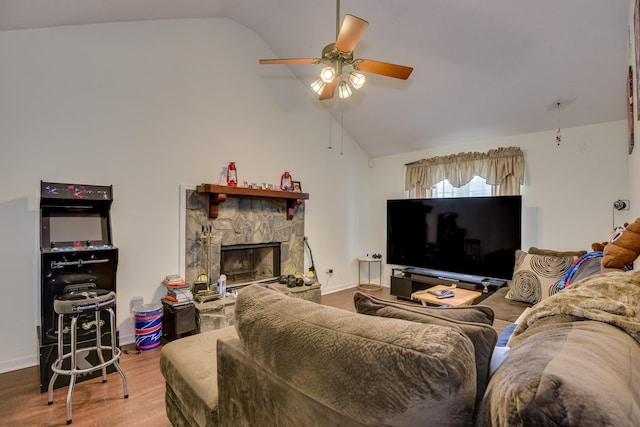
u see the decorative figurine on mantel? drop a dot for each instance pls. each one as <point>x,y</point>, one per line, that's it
<point>286,182</point>
<point>232,175</point>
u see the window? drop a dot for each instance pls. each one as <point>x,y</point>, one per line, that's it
<point>477,187</point>
<point>503,169</point>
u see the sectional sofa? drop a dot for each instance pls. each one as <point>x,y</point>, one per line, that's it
<point>574,360</point>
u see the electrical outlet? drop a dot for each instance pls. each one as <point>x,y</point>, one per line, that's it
<point>329,271</point>
<point>135,302</point>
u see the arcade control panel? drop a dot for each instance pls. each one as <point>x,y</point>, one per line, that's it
<point>77,247</point>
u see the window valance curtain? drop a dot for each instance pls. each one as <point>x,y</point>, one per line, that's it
<point>502,168</point>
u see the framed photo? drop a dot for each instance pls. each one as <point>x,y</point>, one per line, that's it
<point>297,188</point>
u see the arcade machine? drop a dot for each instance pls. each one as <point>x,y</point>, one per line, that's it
<point>77,254</point>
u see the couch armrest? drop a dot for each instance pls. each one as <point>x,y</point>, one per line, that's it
<point>251,396</point>
<point>583,373</point>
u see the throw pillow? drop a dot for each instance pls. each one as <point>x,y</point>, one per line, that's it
<point>482,335</point>
<point>535,251</point>
<point>475,313</point>
<point>536,277</point>
<point>415,373</point>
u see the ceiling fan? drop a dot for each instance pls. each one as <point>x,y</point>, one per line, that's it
<point>339,55</point>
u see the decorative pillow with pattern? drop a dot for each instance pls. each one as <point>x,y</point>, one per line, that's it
<point>536,277</point>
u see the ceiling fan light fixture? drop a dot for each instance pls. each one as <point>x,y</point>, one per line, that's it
<point>356,79</point>
<point>344,90</point>
<point>327,74</point>
<point>336,56</point>
<point>317,86</point>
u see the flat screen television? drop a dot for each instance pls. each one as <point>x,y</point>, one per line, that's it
<point>469,235</point>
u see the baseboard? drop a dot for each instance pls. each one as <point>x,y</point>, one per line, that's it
<point>33,360</point>
<point>331,288</point>
<point>344,286</point>
<point>19,363</point>
<point>127,339</point>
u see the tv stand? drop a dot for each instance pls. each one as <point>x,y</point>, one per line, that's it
<point>405,281</point>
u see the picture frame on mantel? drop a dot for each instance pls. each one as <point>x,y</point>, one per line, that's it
<point>297,187</point>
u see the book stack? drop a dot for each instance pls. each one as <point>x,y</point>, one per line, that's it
<point>173,280</point>
<point>178,292</point>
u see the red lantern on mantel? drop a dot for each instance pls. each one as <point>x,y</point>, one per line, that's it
<point>286,182</point>
<point>232,175</point>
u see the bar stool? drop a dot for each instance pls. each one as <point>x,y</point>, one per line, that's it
<point>75,304</point>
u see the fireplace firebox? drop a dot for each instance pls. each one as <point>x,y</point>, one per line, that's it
<point>250,263</point>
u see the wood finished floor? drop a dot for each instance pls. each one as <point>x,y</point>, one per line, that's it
<point>98,404</point>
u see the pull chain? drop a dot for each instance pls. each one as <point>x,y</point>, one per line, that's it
<point>330,120</point>
<point>341,133</point>
<point>558,136</point>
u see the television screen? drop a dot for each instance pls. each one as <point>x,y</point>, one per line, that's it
<point>470,235</point>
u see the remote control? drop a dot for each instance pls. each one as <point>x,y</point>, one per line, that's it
<point>442,294</point>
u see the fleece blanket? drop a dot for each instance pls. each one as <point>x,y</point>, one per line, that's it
<point>612,297</point>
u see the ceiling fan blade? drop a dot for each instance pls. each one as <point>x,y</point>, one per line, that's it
<point>350,33</point>
<point>329,89</point>
<point>383,68</point>
<point>291,61</point>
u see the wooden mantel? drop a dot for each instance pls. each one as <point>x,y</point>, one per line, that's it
<point>218,194</point>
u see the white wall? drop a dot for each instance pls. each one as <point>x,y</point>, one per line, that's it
<point>148,106</point>
<point>568,193</point>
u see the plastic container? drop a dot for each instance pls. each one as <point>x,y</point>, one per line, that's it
<point>148,319</point>
<point>223,285</point>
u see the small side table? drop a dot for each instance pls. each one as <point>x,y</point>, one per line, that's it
<point>368,286</point>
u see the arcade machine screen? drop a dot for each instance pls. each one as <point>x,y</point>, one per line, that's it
<point>81,227</point>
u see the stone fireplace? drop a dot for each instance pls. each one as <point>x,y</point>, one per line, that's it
<point>251,237</point>
<point>250,240</point>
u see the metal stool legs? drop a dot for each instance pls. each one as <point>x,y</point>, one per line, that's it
<point>73,371</point>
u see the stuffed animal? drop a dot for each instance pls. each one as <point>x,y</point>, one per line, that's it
<point>598,247</point>
<point>624,246</point>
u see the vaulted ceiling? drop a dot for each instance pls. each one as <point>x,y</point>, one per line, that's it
<point>482,69</point>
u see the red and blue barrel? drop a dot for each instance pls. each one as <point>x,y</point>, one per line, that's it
<point>148,326</point>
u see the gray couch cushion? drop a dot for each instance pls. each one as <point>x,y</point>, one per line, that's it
<point>584,373</point>
<point>473,314</point>
<point>251,396</point>
<point>506,310</point>
<point>375,370</point>
<point>189,366</point>
<point>482,335</point>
